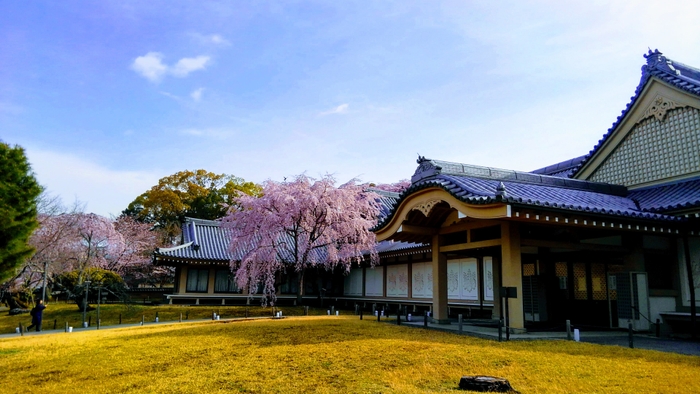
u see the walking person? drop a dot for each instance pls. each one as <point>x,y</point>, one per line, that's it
<point>37,315</point>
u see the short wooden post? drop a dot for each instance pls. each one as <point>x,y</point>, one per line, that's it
<point>568,330</point>
<point>333,310</point>
<point>459,321</point>
<point>360,313</point>
<point>143,319</point>
<point>631,334</point>
<point>500,330</point>
<point>66,329</point>
<point>658,328</point>
<point>425,319</point>
<point>89,321</point>
<point>379,316</point>
<point>398,318</point>
<point>246,312</point>
<point>21,330</point>
<point>120,318</point>
<point>55,321</point>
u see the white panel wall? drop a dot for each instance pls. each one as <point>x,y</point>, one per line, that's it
<point>397,280</point>
<point>422,281</point>
<point>353,282</point>
<point>463,279</point>
<point>488,278</point>
<point>469,280</point>
<point>374,281</point>
<point>658,305</point>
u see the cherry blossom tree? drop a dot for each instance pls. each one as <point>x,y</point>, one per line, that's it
<point>46,241</point>
<point>397,187</point>
<point>301,224</point>
<point>74,241</point>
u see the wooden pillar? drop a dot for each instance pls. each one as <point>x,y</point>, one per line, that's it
<point>182,288</point>
<point>511,272</point>
<point>439,266</point>
<point>212,279</point>
<point>496,272</point>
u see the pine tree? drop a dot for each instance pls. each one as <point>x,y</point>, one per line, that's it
<point>19,191</point>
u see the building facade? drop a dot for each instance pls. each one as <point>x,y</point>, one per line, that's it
<point>601,240</point>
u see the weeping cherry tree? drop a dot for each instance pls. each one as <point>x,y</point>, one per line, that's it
<point>301,224</point>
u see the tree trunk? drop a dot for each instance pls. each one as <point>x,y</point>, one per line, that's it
<point>82,305</point>
<point>300,288</point>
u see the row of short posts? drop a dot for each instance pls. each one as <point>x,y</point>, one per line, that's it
<point>23,329</point>
<point>630,331</point>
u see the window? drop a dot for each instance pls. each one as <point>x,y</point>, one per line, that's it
<point>197,280</point>
<point>225,282</point>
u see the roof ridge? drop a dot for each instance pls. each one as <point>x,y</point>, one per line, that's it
<point>429,168</point>
<point>174,248</point>
<point>203,222</point>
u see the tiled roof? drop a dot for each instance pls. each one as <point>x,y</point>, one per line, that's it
<point>560,170</point>
<point>206,240</point>
<point>203,240</point>
<point>676,74</point>
<point>482,185</point>
<point>387,200</point>
<point>669,197</point>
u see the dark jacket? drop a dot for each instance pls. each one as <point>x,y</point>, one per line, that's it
<point>38,313</point>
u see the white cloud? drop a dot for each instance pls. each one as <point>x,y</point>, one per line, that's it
<point>151,66</point>
<point>220,133</point>
<point>172,96</point>
<point>197,94</point>
<point>215,39</point>
<point>341,109</point>
<point>186,65</point>
<point>194,132</point>
<point>105,191</point>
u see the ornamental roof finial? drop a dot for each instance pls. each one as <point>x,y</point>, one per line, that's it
<point>653,57</point>
<point>421,159</point>
<point>501,191</point>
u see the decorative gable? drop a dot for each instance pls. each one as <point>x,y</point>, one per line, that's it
<point>656,140</point>
<point>665,145</point>
<point>659,107</point>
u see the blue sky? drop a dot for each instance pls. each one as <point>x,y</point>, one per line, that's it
<point>109,96</point>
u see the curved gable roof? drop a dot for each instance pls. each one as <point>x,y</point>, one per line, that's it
<point>477,185</point>
<point>659,67</point>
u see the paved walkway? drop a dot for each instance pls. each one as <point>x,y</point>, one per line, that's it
<point>615,338</point>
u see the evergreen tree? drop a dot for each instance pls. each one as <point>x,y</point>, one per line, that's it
<point>19,191</point>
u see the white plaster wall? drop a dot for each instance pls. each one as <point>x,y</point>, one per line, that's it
<point>661,304</point>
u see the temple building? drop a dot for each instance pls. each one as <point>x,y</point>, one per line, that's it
<point>601,240</point>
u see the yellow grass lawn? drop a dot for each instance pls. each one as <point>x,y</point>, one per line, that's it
<point>325,355</point>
